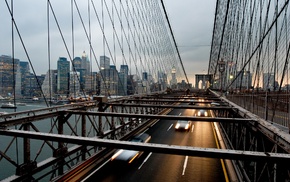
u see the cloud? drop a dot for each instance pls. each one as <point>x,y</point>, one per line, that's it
<point>191,21</point>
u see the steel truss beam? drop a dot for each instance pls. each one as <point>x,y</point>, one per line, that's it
<point>28,119</point>
<point>173,106</point>
<point>151,147</point>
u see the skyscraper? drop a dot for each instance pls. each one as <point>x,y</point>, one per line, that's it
<point>123,76</point>
<point>63,69</point>
<point>269,81</point>
<point>173,82</point>
<point>104,74</point>
<point>24,70</point>
<point>113,80</point>
<point>50,84</point>
<point>144,76</point>
<point>82,65</point>
<point>162,80</point>
<point>86,63</point>
<point>77,63</point>
<point>88,77</point>
<point>8,77</point>
<point>74,84</point>
<point>104,62</point>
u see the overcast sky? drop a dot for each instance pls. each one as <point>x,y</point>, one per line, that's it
<point>191,21</point>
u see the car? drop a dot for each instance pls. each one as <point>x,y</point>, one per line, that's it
<point>129,156</point>
<point>201,100</point>
<point>215,104</point>
<point>183,125</point>
<point>202,113</point>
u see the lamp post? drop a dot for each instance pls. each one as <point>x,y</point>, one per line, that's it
<point>221,65</point>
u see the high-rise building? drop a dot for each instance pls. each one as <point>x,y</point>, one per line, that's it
<point>123,76</point>
<point>104,75</point>
<point>76,63</point>
<point>94,84</point>
<point>144,76</point>
<point>113,80</point>
<point>18,83</point>
<point>49,85</point>
<point>86,63</point>
<point>104,81</point>
<point>63,69</point>
<point>244,80</point>
<point>24,72</point>
<point>162,80</point>
<point>269,81</point>
<point>131,85</point>
<point>74,84</point>
<point>8,70</point>
<point>173,82</point>
<point>87,81</point>
<point>144,84</point>
<point>82,65</point>
<point>104,62</point>
<point>33,87</point>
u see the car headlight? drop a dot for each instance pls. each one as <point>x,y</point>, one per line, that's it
<point>187,126</point>
<point>198,113</point>
<point>116,154</point>
<point>177,126</point>
<point>205,113</point>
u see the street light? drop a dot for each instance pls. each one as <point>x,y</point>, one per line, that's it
<point>222,67</point>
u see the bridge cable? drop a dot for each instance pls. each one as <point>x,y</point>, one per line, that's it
<point>260,42</point>
<point>13,62</point>
<point>65,44</point>
<point>165,13</point>
<point>25,50</point>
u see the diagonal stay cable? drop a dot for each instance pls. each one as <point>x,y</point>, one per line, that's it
<point>165,13</point>
<point>25,50</point>
<point>261,41</point>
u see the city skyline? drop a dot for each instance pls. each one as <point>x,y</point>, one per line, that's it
<point>72,79</point>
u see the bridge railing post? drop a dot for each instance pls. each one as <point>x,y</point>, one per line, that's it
<point>84,131</point>
<point>27,165</point>
<point>61,150</point>
<point>101,101</point>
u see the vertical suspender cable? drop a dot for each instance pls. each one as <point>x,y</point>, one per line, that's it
<point>13,56</point>
<point>48,54</point>
<point>73,53</point>
<point>12,41</point>
<point>90,40</point>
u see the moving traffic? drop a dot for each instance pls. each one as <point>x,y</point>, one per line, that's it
<point>166,167</point>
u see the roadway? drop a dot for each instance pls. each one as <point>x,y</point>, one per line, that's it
<point>165,167</point>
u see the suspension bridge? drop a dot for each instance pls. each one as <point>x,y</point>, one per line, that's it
<point>113,72</point>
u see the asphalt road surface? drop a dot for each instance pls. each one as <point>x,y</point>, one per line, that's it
<point>165,167</point>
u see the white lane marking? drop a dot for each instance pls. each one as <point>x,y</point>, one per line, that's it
<point>145,160</point>
<point>87,177</point>
<point>153,124</point>
<point>169,127</point>
<point>192,128</point>
<point>179,114</point>
<point>184,165</point>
